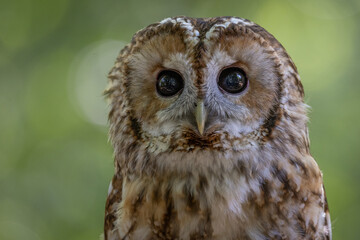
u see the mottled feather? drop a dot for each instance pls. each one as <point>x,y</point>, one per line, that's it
<point>249,175</point>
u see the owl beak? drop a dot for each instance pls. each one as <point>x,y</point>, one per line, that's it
<point>200,116</point>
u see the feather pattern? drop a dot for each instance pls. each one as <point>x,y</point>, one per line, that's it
<point>250,175</point>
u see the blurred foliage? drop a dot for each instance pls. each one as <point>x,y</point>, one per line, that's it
<point>55,161</point>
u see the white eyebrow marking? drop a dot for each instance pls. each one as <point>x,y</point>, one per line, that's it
<point>192,34</point>
<point>213,31</point>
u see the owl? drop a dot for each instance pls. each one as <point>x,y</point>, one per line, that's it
<point>209,130</point>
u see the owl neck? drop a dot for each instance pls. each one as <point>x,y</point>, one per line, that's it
<point>155,158</point>
<point>283,145</point>
<point>202,184</point>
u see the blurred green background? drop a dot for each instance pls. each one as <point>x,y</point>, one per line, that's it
<point>55,160</point>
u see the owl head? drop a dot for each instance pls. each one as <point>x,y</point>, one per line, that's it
<point>202,86</point>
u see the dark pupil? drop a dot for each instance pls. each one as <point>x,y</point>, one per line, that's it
<point>232,80</point>
<point>169,83</point>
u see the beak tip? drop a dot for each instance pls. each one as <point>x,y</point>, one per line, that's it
<point>200,115</point>
<point>201,131</point>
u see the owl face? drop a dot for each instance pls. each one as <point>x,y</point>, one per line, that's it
<point>200,80</point>
<point>189,85</point>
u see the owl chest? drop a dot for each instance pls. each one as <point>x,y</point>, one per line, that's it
<point>184,209</point>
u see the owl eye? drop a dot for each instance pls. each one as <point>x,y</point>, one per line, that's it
<point>232,80</point>
<point>169,83</point>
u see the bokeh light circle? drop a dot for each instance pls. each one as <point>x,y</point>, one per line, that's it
<point>88,79</point>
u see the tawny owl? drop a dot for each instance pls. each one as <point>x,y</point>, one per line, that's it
<point>210,135</point>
